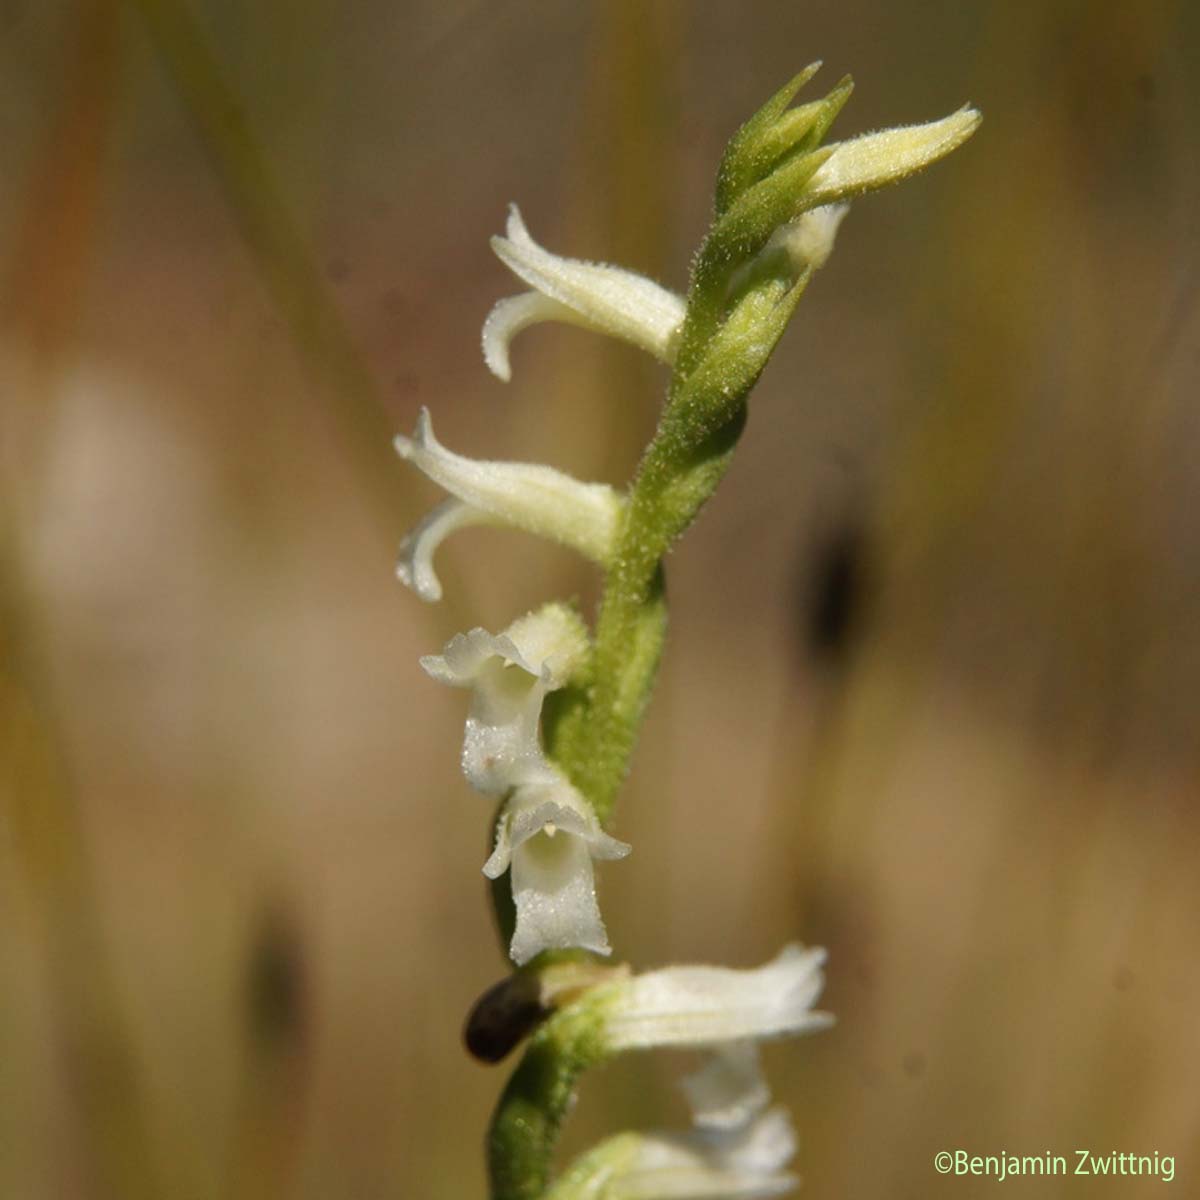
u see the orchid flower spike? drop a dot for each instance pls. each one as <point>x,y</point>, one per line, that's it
<point>596,296</point>
<point>548,836</point>
<point>509,675</point>
<point>525,496</point>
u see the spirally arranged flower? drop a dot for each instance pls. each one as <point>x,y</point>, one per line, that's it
<point>547,833</point>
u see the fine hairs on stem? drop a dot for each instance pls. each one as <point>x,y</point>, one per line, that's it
<point>552,772</point>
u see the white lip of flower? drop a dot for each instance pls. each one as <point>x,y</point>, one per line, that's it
<point>738,1148</point>
<point>509,674</point>
<point>527,496</point>
<point>704,1006</point>
<point>594,295</point>
<point>874,159</point>
<point>549,835</point>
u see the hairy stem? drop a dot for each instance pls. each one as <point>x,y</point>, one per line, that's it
<point>536,1100</point>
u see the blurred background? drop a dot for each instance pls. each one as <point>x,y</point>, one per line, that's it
<point>931,689</point>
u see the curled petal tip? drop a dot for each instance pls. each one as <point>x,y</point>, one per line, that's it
<point>514,226</point>
<point>414,567</point>
<point>420,580</point>
<point>508,317</point>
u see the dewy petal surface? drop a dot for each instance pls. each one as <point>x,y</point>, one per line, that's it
<point>704,1006</point>
<point>597,296</point>
<point>529,496</point>
<point>549,836</point>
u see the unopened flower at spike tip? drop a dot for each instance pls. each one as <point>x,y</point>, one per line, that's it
<point>705,1006</point>
<point>875,159</point>
<point>594,295</point>
<point>526,496</point>
<point>509,675</point>
<point>548,836</point>
<point>779,169</point>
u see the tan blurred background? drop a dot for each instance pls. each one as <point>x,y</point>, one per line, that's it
<point>931,690</point>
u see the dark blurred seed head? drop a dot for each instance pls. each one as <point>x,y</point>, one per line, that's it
<point>276,1000</point>
<point>833,593</point>
<point>502,1016</point>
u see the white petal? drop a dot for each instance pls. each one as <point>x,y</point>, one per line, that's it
<point>702,1006</point>
<point>415,567</point>
<point>466,655</point>
<point>512,314</point>
<point>730,1090</point>
<point>551,803</point>
<point>601,297</point>
<point>527,495</point>
<point>870,161</point>
<point>501,856</point>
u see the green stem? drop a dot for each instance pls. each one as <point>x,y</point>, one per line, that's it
<point>691,451</point>
<point>537,1098</point>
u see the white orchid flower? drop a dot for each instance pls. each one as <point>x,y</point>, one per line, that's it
<point>509,675</point>
<point>527,496</point>
<point>548,836</point>
<point>738,1148</point>
<point>746,1164</point>
<point>707,1006</point>
<point>597,296</point>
